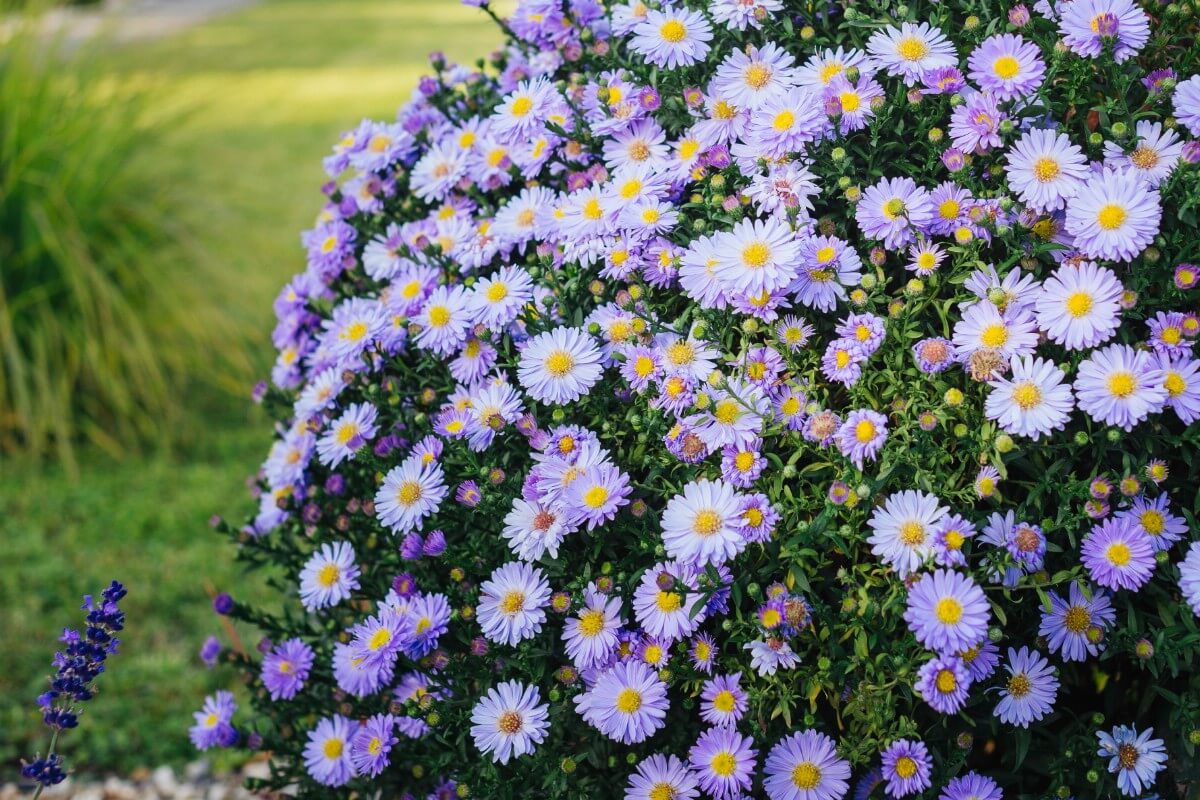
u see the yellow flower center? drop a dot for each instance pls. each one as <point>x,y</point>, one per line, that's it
<point>591,622</point>
<point>1111,217</point>
<point>726,412</point>
<point>497,292</point>
<point>926,260</point>
<point>724,701</point>
<point>1174,384</point>
<point>1077,619</point>
<point>946,682</point>
<point>513,602</point>
<point>954,540</point>
<point>864,431</point>
<point>706,523</point>
<point>355,331</point>
<point>912,533</point>
<point>1078,304</point>
<point>592,209</point>
<point>1019,685</point>
<point>1006,67</point>
<point>948,611</point>
<point>893,208</point>
<point>629,701</point>
<point>850,101</point>
<point>439,316</point>
<point>743,461</point>
<point>757,75</point>
<point>662,791</point>
<point>1153,522</point>
<point>722,110</point>
<point>509,722</point>
<point>681,353</point>
<point>1144,157</point>
<point>1027,395</point>
<point>1118,554</point>
<point>329,575</point>
<point>595,497</point>
<point>1045,169</point>
<point>723,764</point>
<point>906,767</point>
<point>673,31</point>
<point>1122,384</point>
<point>949,209</point>
<point>409,493</point>
<point>668,601</point>
<point>910,48</point>
<point>825,255</point>
<point>379,639</point>
<point>994,335</point>
<point>332,749</point>
<point>347,432</point>
<point>559,363</point>
<point>806,775</point>
<point>783,121</point>
<point>521,106</point>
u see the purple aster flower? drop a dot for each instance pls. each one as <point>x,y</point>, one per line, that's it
<point>327,752</point>
<point>347,435</point>
<point>843,361</point>
<point>1186,102</point>
<point>1120,386</point>
<point>724,761</point>
<point>372,743</point>
<point>627,703</point>
<point>947,611</point>
<point>906,767</point>
<point>741,465</point>
<point>975,125</point>
<point>1075,625</point>
<point>1134,758</point>
<point>214,726</point>
<point>1118,555</point>
<point>512,603</point>
<point>1088,25</point>
<point>1079,305</point>
<point>861,436</point>
<point>661,776</point>
<point>911,50</point>
<point>1186,276</point>
<point>329,576</point>
<point>1045,169</point>
<point>933,355</point>
<point>943,80</point>
<point>1031,690</point>
<point>703,652</point>
<point>672,38</point>
<point>971,786</point>
<point>509,721</point>
<point>591,636</point>
<point>948,541</point>
<point>377,642</point>
<point>210,651</point>
<point>1154,518</point>
<point>285,669</point>
<point>1008,66</point>
<point>560,366</point>
<point>666,613</point>
<point>981,659</point>
<point>1166,334</point>
<point>430,616</point>
<point>596,495</point>
<point>1115,215</point>
<point>805,766</point>
<point>409,493</point>
<point>892,209</point>
<point>1189,577</point>
<point>944,682</point>
<point>722,700</point>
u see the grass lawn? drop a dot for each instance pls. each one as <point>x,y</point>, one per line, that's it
<point>249,103</point>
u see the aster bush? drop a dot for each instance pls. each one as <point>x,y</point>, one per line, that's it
<point>745,400</point>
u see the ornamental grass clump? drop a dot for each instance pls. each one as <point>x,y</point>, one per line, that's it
<point>746,400</point>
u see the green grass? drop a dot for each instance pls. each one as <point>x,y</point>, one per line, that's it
<point>250,102</point>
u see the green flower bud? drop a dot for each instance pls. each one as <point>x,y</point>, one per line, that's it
<point>843,182</point>
<point>995,635</point>
<point>1092,776</point>
<point>1081,438</point>
<point>868,281</point>
<point>749,325</point>
<point>961,430</point>
<point>1004,443</point>
<point>1095,139</point>
<point>1119,129</point>
<point>568,765</point>
<point>837,154</point>
<point>1113,434</point>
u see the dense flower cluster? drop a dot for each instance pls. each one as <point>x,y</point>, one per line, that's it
<point>73,683</point>
<point>741,399</point>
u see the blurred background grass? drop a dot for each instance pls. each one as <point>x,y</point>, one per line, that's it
<point>221,173</point>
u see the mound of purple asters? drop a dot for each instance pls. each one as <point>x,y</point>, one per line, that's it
<point>77,665</point>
